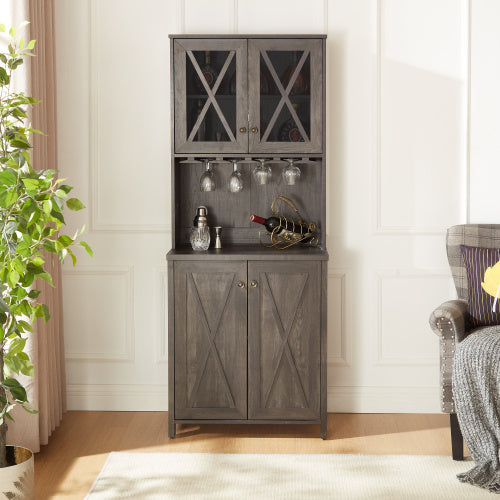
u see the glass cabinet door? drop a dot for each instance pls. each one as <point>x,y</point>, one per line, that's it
<point>211,97</point>
<point>285,94</point>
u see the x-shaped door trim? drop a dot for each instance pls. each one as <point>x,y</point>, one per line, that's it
<point>211,95</point>
<point>285,93</point>
<point>211,336</point>
<point>285,346</point>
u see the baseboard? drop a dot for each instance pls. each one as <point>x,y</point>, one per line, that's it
<point>340,399</point>
<point>384,399</point>
<point>117,397</point>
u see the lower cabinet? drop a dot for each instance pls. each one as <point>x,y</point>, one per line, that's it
<point>247,342</point>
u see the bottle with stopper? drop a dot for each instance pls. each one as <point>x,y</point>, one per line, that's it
<point>218,242</point>
<point>200,233</point>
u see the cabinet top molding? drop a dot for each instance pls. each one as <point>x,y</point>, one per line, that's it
<point>234,35</point>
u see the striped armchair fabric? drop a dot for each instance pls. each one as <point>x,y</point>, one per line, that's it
<point>450,320</point>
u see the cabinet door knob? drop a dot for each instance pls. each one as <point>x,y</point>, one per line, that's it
<point>254,130</point>
<point>241,284</point>
<point>254,284</point>
<point>243,130</point>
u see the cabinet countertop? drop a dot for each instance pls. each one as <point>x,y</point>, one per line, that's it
<point>248,252</point>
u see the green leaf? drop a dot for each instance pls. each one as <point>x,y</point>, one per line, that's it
<point>34,217</point>
<point>42,311</point>
<point>8,178</point>
<point>28,279</point>
<point>33,294</point>
<point>65,188</point>
<point>30,410</point>
<point>4,77</point>
<point>21,42</point>
<point>87,248</point>
<point>25,308</point>
<point>31,184</point>
<point>58,216</point>
<point>60,193</point>
<point>47,277</point>
<point>25,326</point>
<point>3,29</point>
<point>38,261</point>
<point>13,278</point>
<point>65,240</point>
<point>21,363</point>
<point>32,268</point>
<point>16,389</point>
<point>7,198</point>
<point>49,246</point>
<point>31,45</point>
<point>17,345</point>
<point>72,255</point>
<point>20,142</point>
<point>47,206</point>
<point>23,249</point>
<point>75,204</point>
<point>12,31</point>
<point>4,307</point>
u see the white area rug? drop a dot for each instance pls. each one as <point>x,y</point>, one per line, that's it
<point>271,477</point>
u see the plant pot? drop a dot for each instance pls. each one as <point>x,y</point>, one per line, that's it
<point>17,480</point>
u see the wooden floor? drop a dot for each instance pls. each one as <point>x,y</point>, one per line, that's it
<point>69,464</point>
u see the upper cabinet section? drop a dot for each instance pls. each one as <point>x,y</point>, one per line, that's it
<point>243,95</point>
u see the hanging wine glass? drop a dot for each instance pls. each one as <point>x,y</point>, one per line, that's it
<point>262,172</point>
<point>207,179</point>
<point>291,173</point>
<point>235,184</point>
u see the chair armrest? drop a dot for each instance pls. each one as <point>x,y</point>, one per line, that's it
<point>450,319</point>
<point>449,322</point>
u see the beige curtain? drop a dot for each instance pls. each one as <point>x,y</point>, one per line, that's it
<point>47,390</point>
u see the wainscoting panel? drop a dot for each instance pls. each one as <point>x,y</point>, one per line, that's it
<point>405,301</point>
<point>129,174</point>
<point>338,340</point>
<point>99,328</point>
<point>485,109</point>
<point>422,106</point>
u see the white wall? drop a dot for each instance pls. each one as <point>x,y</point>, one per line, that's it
<point>399,173</point>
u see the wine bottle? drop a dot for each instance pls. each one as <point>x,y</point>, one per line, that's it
<point>276,225</point>
<point>209,74</point>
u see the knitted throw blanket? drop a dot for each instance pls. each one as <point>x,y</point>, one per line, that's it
<point>476,391</point>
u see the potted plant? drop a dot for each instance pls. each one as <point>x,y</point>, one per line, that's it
<point>31,221</point>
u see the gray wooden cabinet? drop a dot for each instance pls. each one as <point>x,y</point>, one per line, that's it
<point>247,323</point>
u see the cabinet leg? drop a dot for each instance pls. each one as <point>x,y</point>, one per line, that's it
<point>171,428</point>
<point>323,427</point>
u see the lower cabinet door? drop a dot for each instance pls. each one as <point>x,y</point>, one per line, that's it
<point>210,340</point>
<point>284,324</point>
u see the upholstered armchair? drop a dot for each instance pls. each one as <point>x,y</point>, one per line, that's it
<point>450,321</point>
